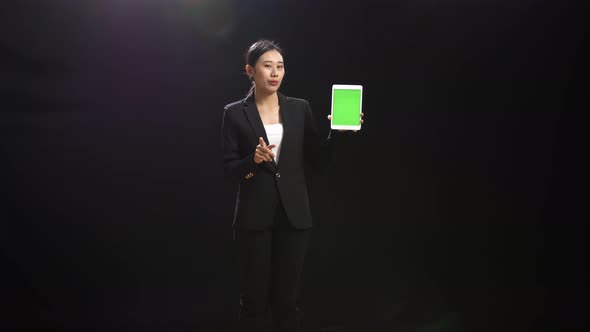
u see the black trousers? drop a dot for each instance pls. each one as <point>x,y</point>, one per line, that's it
<point>271,263</point>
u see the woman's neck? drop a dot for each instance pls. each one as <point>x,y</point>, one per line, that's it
<point>266,100</point>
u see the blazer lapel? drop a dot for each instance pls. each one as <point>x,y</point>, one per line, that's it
<point>255,121</point>
<point>257,126</point>
<point>286,120</point>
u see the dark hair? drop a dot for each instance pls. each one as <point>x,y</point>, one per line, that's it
<point>255,51</point>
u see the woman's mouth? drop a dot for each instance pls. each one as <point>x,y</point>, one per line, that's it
<point>273,83</point>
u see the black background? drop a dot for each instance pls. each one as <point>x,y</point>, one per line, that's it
<point>464,207</point>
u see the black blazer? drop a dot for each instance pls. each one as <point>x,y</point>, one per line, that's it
<point>262,186</point>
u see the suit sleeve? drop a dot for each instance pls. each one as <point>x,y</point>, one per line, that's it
<point>236,166</point>
<point>318,150</point>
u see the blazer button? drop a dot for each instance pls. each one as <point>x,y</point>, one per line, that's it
<point>277,175</point>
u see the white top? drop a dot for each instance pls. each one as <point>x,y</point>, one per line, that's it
<point>274,132</point>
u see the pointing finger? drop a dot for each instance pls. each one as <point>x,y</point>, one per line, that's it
<point>267,151</point>
<point>264,149</point>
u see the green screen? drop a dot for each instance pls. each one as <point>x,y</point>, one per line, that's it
<point>346,107</point>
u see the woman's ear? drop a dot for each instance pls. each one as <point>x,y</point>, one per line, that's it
<point>250,71</point>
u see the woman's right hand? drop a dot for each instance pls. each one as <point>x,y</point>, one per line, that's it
<point>263,152</point>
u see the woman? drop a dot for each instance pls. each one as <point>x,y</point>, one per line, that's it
<point>268,138</point>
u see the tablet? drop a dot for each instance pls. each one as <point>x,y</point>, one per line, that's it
<point>347,102</point>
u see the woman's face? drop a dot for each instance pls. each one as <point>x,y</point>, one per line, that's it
<point>268,72</point>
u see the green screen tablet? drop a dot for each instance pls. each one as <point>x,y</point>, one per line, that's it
<point>347,102</point>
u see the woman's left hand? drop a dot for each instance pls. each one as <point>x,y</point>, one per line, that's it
<point>340,130</point>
